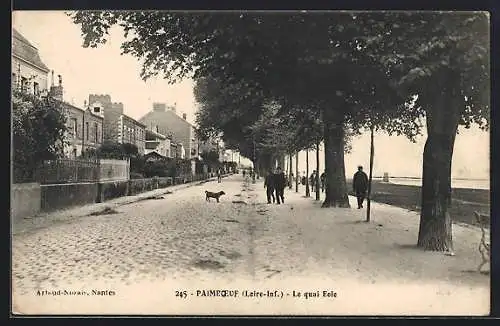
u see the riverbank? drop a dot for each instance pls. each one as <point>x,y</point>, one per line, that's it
<point>464,200</point>
<point>455,182</point>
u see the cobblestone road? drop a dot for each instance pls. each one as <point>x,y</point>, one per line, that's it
<point>147,246</point>
<point>179,236</point>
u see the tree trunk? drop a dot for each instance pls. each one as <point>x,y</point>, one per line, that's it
<point>336,188</point>
<point>285,167</point>
<point>370,178</point>
<point>435,231</point>
<point>281,162</point>
<point>317,187</point>
<point>297,172</point>
<point>308,193</point>
<point>290,172</point>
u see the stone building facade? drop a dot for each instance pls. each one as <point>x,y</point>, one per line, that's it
<point>85,130</point>
<point>85,127</point>
<point>168,121</point>
<point>118,127</point>
<point>177,150</point>
<point>156,142</point>
<point>28,70</point>
<point>132,131</point>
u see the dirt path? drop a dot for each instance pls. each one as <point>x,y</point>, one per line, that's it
<point>159,256</point>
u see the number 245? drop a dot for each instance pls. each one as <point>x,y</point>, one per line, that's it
<point>182,294</point>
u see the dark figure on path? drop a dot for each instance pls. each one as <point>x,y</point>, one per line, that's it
<point>292,178</point>
<point>360,186</point>
<point>243,173</point>
<point>312,180</point>
<point>279,184</point>
<point>323,181</point>
<point>219,175</point>
<point>269,185</point>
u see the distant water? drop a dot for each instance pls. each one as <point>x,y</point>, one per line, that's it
<point>455,183</point>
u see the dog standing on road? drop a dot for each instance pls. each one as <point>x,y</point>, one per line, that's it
<point>215,195</point>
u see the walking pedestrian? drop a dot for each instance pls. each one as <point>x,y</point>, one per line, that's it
<point>323,181</point>
<point>292,178</point>
<point>360,185</point>
<point>279,184</point>
<point>304,178</point>
<point>219,175</point>
<point>312,180</point>
<point>269,185</point>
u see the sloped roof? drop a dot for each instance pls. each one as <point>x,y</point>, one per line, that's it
<point>22,48</point>
<point>152,135</point>
<point>134,121</point>
<point>67,105</point>
<point>155,154</point>
<point>160,115</point>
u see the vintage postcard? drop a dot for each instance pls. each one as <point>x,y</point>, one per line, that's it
<point>250,163</point>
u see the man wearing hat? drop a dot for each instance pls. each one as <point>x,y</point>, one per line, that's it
<point>360,186</point>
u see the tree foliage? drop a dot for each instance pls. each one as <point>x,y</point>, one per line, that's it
<point>350,59</point>
<point>381,70</point>
<point>38,127</point>
<point>442,59</point>
<point>211,159</point>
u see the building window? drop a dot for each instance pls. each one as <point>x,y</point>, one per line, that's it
<point>24,84</point>
<point>36,89</point>
<point>96,132</point>
<point>87,130</point>
<point>74,127</point>
<point>14,82</point>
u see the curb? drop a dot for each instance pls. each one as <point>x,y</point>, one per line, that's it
<point>141,196</point>
<point>76,212</point>
<point>159,192</point>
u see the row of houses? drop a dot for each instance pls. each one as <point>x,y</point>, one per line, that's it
<point>159,133</point>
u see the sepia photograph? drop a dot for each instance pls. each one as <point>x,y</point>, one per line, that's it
<point>250,163</point>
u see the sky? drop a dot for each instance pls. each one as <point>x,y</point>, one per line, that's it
<point>104,70</point>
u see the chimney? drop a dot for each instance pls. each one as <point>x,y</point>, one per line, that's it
<point>184,116</point>
<point>56,91</point>
<point>52,79</point>
<point>159,107</point>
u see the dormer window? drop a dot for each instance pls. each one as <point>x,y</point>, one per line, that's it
<point>97,109</point>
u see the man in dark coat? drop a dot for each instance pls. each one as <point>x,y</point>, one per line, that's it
<point>269,185</point>
<point>219,175</point>
<point>279,184</point>
<point>323,181</point>
<point>360,186</point>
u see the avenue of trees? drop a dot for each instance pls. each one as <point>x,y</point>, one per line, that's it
<point>280,83</point>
